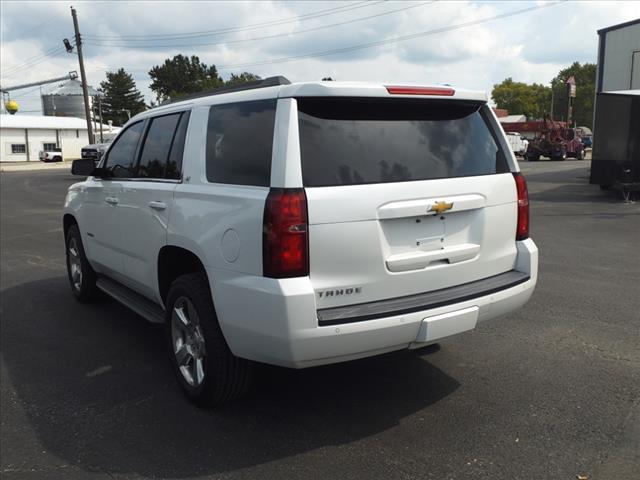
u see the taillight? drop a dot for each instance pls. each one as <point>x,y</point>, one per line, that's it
<point>522,230</point>
<point>285,239</point>
<point>441,91</point>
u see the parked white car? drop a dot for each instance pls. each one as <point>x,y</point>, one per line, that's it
<point>518,143</point>
<point>52,154</point>
<point>303,224</point>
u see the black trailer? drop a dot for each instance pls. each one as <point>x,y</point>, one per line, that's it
<point>616,141</point>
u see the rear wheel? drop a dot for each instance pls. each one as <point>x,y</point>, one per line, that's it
<point>57,159</point>
<point>82,278</point>
<point>580,155</point>
<point>207,371</point>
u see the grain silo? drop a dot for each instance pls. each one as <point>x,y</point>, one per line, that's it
<point>66,100</point>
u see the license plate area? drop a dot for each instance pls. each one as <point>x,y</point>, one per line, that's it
<point>447,324</point>
<point>424,233</point>
<point>429,241</point>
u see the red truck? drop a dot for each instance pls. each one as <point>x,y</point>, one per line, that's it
<point>552,139</point>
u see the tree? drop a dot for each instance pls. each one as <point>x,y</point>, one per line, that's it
<point>521,98</point>
<point>120,94</point>
<point>242,78</point>
<point>585,76</point>
<point>181,75</point>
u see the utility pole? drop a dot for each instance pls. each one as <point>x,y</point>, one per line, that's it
<point>83,76</point>
<point>100,114</point>
<point>571,94</point>
<point>551,113</point>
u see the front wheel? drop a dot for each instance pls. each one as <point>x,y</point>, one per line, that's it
<point>81,276</point>
<point>207,371</point>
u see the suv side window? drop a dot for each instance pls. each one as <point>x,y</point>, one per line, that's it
<point>121,158</point>
<point>174,164</point>
<point>239,142</point>
<point>161,155</point>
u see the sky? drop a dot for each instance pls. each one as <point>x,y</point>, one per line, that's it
<point>471,44</point>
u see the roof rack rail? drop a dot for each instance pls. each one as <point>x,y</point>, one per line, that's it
<point>267,82</point>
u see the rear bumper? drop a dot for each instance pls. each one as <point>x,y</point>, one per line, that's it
<point>275,321</point>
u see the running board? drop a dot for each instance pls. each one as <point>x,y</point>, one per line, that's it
<point>141,305</point>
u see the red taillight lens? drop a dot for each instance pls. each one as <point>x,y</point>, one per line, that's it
<point>522,230</point>
<point>442,91</point>
<point>285,239</point>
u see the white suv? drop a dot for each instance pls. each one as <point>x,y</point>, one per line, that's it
<point>303,224</point>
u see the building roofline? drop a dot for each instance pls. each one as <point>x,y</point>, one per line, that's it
<point>618,26</point>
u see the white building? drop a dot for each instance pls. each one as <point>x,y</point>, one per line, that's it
<point>23,136</point>
<point>619,57</point>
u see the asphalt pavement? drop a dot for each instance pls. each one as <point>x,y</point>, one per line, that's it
<point>549,392</point>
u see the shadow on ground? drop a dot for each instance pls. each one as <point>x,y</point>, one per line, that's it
<point>99,393</point>
<point>577,190</point>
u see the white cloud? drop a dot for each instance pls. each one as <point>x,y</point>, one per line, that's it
<point>531,47</point>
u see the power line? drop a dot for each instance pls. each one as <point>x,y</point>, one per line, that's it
<point>287,34</point>
<point>387,41</point>
<point>39,54</point>
<point>36,59</point>
<point>44,59</point>
<point>239,28</point>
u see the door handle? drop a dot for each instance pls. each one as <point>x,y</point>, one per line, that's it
<point>111,200</point>
<point>158,205</point>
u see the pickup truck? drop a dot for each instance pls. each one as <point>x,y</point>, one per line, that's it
<point>517,143</point>
<point>94,151</point>
<point>54,155</point>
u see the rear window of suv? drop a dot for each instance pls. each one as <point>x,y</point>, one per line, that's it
<point>353,141</point>
<point>239,142</point>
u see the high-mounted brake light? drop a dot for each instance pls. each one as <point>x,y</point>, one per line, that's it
<point>522,230</point>
<point>285,239</point>
<point>441,91</point>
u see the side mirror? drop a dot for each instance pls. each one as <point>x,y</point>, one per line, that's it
<point>84,167</point>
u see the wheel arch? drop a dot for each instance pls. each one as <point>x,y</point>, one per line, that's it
<point>67,221</point>
<point>174,261</point>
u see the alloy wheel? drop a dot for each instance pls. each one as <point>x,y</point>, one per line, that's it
<point>75,264</point>
<point>188,341</point>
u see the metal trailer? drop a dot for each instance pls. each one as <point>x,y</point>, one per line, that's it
<point>616,142</point>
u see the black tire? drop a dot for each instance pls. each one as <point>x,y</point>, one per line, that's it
<point>85,289</point>
<point>57,159</point>
<point>580,155</point>
<point>605,187</point>
<point>532,158</point>
<point>225,377</point>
